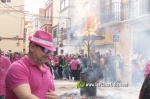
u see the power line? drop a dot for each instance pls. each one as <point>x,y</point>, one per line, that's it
<point>34,14</point>
<point>10,7</point>
<point>24,5</point>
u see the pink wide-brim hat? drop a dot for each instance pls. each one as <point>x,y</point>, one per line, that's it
<point>43,39</point>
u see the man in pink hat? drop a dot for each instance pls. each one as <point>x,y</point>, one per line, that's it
<point>30,78</point>
<point>4,64</point>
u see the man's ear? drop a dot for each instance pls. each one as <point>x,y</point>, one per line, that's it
<point>32,46</point>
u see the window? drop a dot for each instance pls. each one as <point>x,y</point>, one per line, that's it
<point>134,8</point>
<point>5,0</point>
<point>49,29</point>
<point>64,3</point>
<point>54,33</point>
<point>36,22</point>
<point>116,9</point>
<point>47,15</point>
<point>61,51</point>
<point>56,52</point>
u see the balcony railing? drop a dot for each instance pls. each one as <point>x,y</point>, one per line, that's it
<point>123,11</point>
<point>64,36</point>
<point>135,8</point>
<point>63,33</point>
<point>111,12</point>
<point>45,20</point>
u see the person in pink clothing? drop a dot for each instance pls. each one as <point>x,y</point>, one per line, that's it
<point>15,57</point>
<point>147,69</point>
<point>29,77</point>
<point>56,66</point>
<point>4,64</point>
<point>74,64</point>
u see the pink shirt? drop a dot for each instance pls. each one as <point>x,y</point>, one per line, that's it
<point>56,61</point>
<point>16,59</point>
<point>25,71</point>
<point>74,64</point>
<point>68,59</point>
<point>147,69</point>
<point>4,64</point>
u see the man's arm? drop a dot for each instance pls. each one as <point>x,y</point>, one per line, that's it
<point>23,91</point>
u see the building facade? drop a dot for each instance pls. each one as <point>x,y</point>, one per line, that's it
<point>128,20</point>
<point>120,21</point>
<point>46,20</point>
<point>55,25</point>
<point>65,18</point>
<point>12,26</point>
<point>124,24</point>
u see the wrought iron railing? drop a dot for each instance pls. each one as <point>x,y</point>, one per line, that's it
<point>63,34</point>
<point>135,8</point>
<point>123,11</point>
<point>111,12</point>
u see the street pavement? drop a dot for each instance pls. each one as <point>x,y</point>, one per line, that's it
<point>109,92</point>
<point>129,92</point>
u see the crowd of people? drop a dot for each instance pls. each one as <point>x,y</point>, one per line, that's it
<point>69,66</point>
<point>13,56</point>
<point>20,72</point>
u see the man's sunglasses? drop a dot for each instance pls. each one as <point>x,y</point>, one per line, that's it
<point>44,49</point>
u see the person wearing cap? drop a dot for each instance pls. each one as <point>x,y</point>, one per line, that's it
<point>30,78</point>
<point>4,65</point>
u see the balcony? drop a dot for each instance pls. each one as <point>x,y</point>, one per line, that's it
<point>111,13</point>
<point>46,22</point>
<point>118,11</point>
<point>64,36</point>
<point>63,33</point>
<point>135,8</point>
<point>60,38</point>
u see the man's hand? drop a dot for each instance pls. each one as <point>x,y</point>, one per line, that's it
<point>51,95</point>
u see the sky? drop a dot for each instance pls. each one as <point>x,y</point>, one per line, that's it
<point>34,5</point>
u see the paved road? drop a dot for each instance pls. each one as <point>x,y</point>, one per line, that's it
<point>130,92</point>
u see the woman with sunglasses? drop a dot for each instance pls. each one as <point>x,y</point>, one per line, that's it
<point>30,78</point>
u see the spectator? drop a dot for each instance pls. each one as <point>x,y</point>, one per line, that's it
<point>56,66</point>
<point>15,57</point>
<point>29,77</point>
<point>74,66</point>
<point>4,64</point>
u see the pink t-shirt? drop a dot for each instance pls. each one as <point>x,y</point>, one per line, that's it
<point>74,64</point>
<point>25,71</point>
<point>147,69</point>
<point>56,61</point>
<point>68,59</point>
<point>4,64</point>
<point>16,59</point>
